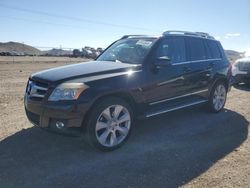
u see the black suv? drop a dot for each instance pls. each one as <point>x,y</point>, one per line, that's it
<point>135,77</point>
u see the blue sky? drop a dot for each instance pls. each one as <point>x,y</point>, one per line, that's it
<point>79,23</point>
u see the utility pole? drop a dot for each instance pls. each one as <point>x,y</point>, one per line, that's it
<point>60,53</point>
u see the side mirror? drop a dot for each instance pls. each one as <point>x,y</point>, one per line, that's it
<point>162,61</point>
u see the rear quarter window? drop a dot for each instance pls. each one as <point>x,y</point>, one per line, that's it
<point>214,49</point>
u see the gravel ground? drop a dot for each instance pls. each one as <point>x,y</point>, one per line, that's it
<point>41,59</point>
<point>189,148</point>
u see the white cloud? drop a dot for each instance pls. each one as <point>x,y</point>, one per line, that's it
<point>230,35</point>
<point>247,53</point>
<point>217,37</point>
<point>233,34</point>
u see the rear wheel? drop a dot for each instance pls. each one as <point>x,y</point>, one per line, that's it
<point>109,124</point>
<point>218,97</point>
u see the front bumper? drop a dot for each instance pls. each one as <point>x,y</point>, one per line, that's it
<point>46,114</point>
<point>239,75</point>
<point>241,78</point>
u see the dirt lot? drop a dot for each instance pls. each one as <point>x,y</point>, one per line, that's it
<point>189,148</point>
<point>35,59</point>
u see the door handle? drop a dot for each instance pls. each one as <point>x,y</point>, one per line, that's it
<point>211,64</point>
<point>187,69</point>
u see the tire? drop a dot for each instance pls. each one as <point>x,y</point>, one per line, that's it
<point>218,96</point>
<point>109,124</point>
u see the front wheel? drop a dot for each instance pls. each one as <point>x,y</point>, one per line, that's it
<point>218,97</point>
<point>109,124</point>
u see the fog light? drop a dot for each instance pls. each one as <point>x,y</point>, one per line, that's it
<point>59,124</point>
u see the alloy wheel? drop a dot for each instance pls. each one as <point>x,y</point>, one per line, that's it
<point>219,97</point>
<point>113,125</point>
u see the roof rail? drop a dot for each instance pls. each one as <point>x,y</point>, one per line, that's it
<point>197,34</point>
<point>131,36</point>
<point>128,36</point>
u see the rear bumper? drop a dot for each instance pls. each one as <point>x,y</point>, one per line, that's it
<point>46,115</point>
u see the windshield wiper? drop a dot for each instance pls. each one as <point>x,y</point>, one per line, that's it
<point>118,61</point>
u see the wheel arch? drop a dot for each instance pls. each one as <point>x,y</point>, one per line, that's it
<point>220,79</point>
<point>121,95</point>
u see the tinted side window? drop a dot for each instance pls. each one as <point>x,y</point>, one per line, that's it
<point>196,49</point>
<point>164,49</point>
<point>179,50</point>
<point>214,49</point>
<point>174,48</point>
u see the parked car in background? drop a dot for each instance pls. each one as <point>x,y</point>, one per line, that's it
<point>241,71</point>
<point>136,77</point>
<point>89,53</point>
<point>100,50</point>
<point>77,53</point>
<point>5,54</point>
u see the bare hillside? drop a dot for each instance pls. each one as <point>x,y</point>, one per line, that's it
<point>16,48</point>
<point>233,55</point>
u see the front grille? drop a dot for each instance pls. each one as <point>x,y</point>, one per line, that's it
<point>36,89</point>
<point>34,118</point>
<point>244,66</point>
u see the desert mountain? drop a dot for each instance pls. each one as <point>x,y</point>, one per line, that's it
<point>233,55</point>
<point>57,52</point>
<point>16,48</point>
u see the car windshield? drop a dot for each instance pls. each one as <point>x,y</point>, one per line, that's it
<point>132,51</point>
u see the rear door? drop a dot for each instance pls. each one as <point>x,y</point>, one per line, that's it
<point>199,65</point>
<point>215,57</point>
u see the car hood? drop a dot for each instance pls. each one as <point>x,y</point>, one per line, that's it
<point>81,70</point>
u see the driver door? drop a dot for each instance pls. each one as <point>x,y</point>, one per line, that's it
<point>166,82</point>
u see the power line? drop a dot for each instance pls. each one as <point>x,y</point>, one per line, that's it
<point>42,22</point>
<point>73,18</point>
<point>57,48</point>
<point>45,22</point>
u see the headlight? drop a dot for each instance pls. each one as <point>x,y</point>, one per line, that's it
<point>236,64</point>
<point>67,91</point>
